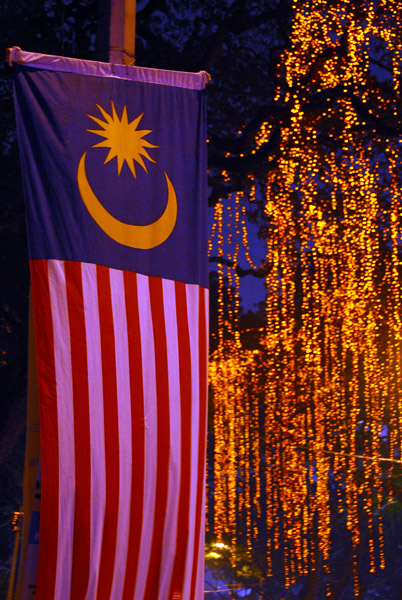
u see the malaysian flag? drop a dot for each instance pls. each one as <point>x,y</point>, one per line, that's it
<point>114,167</point>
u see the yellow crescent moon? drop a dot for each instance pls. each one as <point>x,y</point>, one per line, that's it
<point>143,237</point>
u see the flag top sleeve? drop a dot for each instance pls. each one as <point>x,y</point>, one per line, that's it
<point>196,81</point>
<point>122,158</point>
<point>114,170</point>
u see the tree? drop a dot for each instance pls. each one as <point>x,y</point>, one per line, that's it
<point>314,415</point>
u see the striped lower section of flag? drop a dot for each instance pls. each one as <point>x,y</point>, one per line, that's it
<point>122,368</point>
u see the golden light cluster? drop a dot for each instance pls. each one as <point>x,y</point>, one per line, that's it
<point>308,422</point>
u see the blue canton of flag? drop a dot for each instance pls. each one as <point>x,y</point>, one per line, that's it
<point>140,161</point>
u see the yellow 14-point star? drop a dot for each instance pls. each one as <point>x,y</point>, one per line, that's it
<point>125,141</point>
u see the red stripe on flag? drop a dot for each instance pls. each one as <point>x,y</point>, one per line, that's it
<point>203,404</point>
<point>137,423</point>
<point>163,436</point>
<point>81,544</point>
<point>177,583</point>
<point>107,558</point>
<point>47,561</point>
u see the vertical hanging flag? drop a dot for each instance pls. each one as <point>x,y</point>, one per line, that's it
<point>114,167</point>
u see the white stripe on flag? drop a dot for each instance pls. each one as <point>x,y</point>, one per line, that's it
<point>170,532</point>
<point>201,555</point>
<point>124,421</point>
<point>150,425</point>
<point>97,428</point>
<point>65,417</point>
<point>201,559</point>
<point>192,292</point>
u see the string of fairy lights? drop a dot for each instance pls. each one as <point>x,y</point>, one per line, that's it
<point>308,422</point>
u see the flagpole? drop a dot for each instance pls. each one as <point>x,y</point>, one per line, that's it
<point>27,566</point>
<point>122,32</point>
<point>17,529</point>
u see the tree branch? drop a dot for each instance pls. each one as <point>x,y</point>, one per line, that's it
<point>261,272</point>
